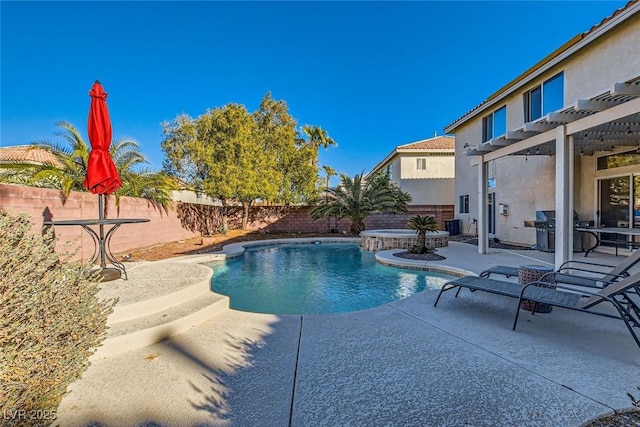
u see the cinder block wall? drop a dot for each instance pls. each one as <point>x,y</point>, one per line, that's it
<point>182,222</point>
<point>46,205</point>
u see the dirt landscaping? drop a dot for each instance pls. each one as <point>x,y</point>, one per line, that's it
<point>201,245</point>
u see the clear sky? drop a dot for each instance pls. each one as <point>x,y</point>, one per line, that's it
<point>375,75</point>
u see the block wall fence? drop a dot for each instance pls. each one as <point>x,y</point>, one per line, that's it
<point>183,221</point>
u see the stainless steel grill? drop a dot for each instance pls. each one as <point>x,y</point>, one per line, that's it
<point>545,224</point>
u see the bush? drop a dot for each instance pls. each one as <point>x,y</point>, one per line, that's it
<point>51,321</point>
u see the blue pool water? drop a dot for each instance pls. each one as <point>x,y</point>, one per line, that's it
<point>315,278</point>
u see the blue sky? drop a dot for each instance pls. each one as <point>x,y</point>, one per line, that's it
<point>373,74</point>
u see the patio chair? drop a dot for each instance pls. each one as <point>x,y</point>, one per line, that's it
<point>619,294</point>
<point>569,272</point>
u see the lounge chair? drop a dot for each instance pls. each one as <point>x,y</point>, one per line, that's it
<point>619,294</point>
<point>622,295</point>
<point>570,272</point>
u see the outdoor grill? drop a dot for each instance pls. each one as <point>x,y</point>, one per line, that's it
<point>545,224</point>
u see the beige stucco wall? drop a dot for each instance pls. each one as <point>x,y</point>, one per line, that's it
<point>436,185</point>
<point>434,191</point>
<point>437,166</point>
<point>530,186</point>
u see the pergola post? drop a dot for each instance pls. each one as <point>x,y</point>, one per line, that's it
<point>564,196</point>
<point>483,236</point>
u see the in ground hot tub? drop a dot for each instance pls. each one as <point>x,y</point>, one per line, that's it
<point>377,240</point>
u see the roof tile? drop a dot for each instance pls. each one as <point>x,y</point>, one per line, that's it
<point>27,154</point>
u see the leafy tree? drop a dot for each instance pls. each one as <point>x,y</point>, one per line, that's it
<point>422,224</point>
<point>234,156</point>
<point>292,168</point>
<point>356,198</point>
<point>68,172</point>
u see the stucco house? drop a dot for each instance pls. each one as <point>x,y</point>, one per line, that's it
<point>425,169</point>
<point>564,136</point>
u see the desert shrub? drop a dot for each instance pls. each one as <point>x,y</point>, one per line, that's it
<point>51,321</point>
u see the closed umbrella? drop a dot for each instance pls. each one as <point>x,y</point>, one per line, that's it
<point>102,177</point>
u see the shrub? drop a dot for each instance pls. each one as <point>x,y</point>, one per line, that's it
<point>51,321</point>
<point>422,224</point>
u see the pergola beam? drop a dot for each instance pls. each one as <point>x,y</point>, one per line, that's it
<point>594,105</point>
<point>538,127</point>
<point>625,89</point>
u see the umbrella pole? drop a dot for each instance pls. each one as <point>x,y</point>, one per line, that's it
<point>103,263</point>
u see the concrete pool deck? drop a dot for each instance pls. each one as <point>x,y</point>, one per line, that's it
<point>406,363</point>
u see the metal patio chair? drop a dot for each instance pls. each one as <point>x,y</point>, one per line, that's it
<point>579,273</point>
<point>623,296</point>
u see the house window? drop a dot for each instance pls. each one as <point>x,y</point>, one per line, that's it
<point>421,164</point>
<point>545,98</point>
<point>390,171</point>
<point>618,160</point>
<point>495,124</point>
<point>464,203</point>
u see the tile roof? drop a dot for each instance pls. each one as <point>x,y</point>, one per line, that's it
<point>435,143</point>
<point>27,154</point>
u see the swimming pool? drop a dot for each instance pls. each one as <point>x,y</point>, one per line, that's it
<point>315,278</point>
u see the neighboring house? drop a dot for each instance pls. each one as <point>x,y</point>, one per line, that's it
<point>425,169</point>
<point>27,154</point>
<point>564,135</point>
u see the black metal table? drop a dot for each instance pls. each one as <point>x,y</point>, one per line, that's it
<point>618,231</point>
<point>101,240</point>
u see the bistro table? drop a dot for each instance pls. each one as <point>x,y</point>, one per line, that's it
<point>102,241</point>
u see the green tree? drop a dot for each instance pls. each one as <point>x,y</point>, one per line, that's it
<point>234,156</point>
<point>234,159</point>
<point>292,169</point>
<point>356,198</point>
<point>69,171</point>
<point>422,224</point>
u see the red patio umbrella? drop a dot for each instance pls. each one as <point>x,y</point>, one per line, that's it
<point>102,176</point>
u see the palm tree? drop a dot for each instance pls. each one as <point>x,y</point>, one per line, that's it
<point>68,172</point>
<point>317,137</point>
<point>329,171</point>
<point>356,198</point>
<point>422,224</point>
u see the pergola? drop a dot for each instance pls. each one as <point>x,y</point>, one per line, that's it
<point>603,122</point>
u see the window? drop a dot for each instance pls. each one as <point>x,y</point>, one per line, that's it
<point>390,171</point>
<point>421,164</point>
<point>495,124</point>
<point>545,98</point>
<point>464,204</point>
<point>618,160</point>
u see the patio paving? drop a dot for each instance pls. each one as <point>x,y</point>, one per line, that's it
<point>406,363</point>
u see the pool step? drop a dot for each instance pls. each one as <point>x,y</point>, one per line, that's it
<point>167,299</point>
<point>147,330</point>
